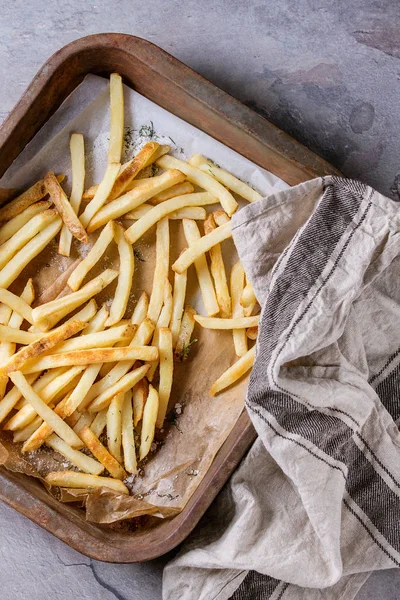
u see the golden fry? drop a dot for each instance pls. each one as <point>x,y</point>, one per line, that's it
<point>101,453</point>
<point>70,479</point>
<point>116,118</point>
<point>235,372</point>
<point>34,194</point>
<point>128,438</point>
<point>65,209</point>
<point>237,284</point>
<point>123,385</point>
<point>218,272</point>
<point>125,278</point>
<point>114,426</point>
<point>161,269</point>
<point>183,343</point>
<point>234,323</point>
<point>166,373</point>
<point>149,422</point>
<point>200,246</point>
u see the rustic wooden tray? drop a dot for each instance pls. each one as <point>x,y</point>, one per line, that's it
<point>178,89</point>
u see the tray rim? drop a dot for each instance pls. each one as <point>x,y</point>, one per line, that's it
<point>12,489</point>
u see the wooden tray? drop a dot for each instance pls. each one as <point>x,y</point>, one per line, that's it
<point>178,89</point>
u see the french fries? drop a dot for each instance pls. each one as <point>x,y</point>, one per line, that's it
<point>80,460</point>
<point>34,194</point>
<point>206,285</point>
<point>227,179</point>
<point>48,415</point>
<point>25,234</point>
<point>134,198</point>
<point>132,168</point>
<point>114,426</point>
<point>235,372</point>
<point>77,150</point>
<point>197,213</point>
<point>16,223</point>
<point>116,118</point>
<point>138,229</point>
<point>66,385</point>
<point>123,385</point>
<point>70,479</point>
<point>15,266</point>
<point>100,246</point>
<point>205,181</point>
<point>89,357</point>
<point>68,303</point>
<point>178,302</point>
<point>183,344</point>
<point>218,272</point>
<point>161,269</point>
<point>237,284</point>
<point>128,438</point>
<point>125,276</point>
<point>139,396</point>
<point>234,323</point>
<point>101,453</point>
<point>166,373</point>
<point>101,195</point>
<point>47,341</point>
<point>149,422</point>
<point>200,246</point>
<point>65,209</point>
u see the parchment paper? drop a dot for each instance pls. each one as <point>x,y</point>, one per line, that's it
<point>197,424</point>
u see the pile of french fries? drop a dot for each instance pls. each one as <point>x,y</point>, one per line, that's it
<point>78,377</point>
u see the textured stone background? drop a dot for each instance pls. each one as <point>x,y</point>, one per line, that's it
<point>326,72</point>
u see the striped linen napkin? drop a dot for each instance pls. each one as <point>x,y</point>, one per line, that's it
<point>314,507</point>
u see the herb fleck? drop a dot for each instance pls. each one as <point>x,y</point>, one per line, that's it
<point>138,255</point>
<point>148,131</point>
<point>186,350</point>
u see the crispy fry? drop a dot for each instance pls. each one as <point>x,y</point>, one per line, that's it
<point>252,333</point>
<point>183,343</point>
<point>205,181</point>
<point>202,245</point>
<point>176,190</point>
<point>248,296</point>
<point>85,419</point>
<point>99,422</point>
<point>163,321</point>
<point>134,198</point>
<point>114,426</point>
<point>96,252</point>
<point>70,479</point>
<point>227,179</point>
<point>24,434</point>
<point>43,410</point>
<point>128,439</point>
<point>77,398</point>
<point>178,302</point>
<point>48,390</point>
<point>237,284</point>
<point>135,231</point>
<point>139,395</point>
<point>132,168</point>
<point>166,373</point>
<point>68,303</point>
<point>25,234</point>
<point>77,150</point>
<point>116,118</point>
<point>80,460</point>
<point>218,272</point>
<point>14,267</point>
<point>47,341</point>
<point>142,337</point>
<point>192,235</point>
<point>65,209</point>
<point>15,224</point>
<point>17,304</point>
<point>123,385</point>
<point>35,193</point>
<point>141,308</point>
<point>85,314</point>
<point>5,313</point>
<point>220,217</point>
<point>188,212</point>
<point>235,323</point>
<point>149,422</point>
<point>100,339</point>
<point>101,453</point>
<point>97,321</point>
<point>235,372</point>
<point>125,277</point>
<point>161,269</point>
<point>88,357</point>
<point>101,196</point>
<point>16,336</point>
<point>11,399</point>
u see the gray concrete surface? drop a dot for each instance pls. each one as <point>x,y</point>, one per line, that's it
<point>326,72</point>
